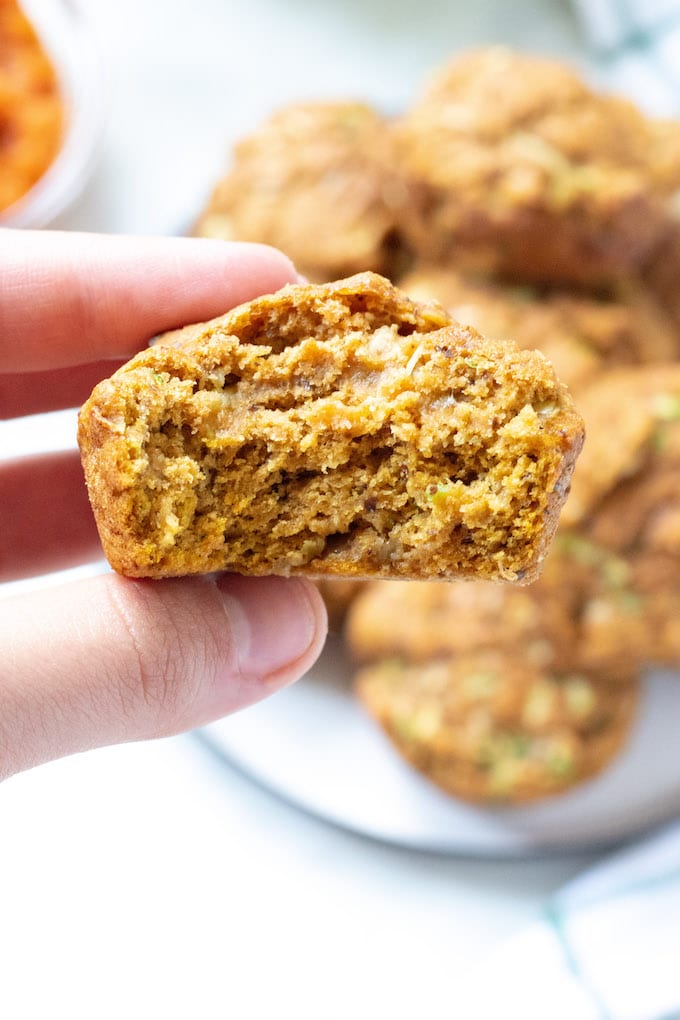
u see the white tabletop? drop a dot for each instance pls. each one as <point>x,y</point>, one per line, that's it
<point>151,880</point>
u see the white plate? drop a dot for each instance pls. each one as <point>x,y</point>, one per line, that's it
<point>313,745</point>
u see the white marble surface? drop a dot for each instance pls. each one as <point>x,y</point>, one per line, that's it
<point>150,880</point>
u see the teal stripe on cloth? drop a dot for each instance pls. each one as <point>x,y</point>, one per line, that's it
<point>555,919</point>
<point>636,48</point>
<point>647,884</point>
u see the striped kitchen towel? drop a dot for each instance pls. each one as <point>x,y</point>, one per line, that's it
<point>606,948</point>
<point>636,48</point>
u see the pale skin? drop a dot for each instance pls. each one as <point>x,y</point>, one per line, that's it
<point>107,659</point>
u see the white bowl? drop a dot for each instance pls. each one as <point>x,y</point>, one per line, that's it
<point>66,36</point>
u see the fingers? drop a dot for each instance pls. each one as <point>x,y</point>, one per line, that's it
<point>45,518</point>
<point>67,299</point>
<point>46,521</point>
<point>109,660</point>
<point>35,392</point>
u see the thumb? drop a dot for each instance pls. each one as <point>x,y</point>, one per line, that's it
<point>108,660</point>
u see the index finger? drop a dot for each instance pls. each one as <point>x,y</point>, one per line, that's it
<point>68,298</point>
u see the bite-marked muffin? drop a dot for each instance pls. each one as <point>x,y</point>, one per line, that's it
<point>580,334</point>
<point>591,609</point>
<point>339,430</point>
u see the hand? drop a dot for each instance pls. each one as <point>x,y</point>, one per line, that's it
<point>109,659</point>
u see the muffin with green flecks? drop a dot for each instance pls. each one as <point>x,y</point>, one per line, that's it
<point>531,174</point>
<point>591,609</point>
<point>425,621</point>
<point>493,728</point>
<point>626,492</point>
<point>581,334</point>
<point>625,506</point>
<point>624,607</point>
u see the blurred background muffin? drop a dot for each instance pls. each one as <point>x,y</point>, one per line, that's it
<point>537,210</point>
<point>579,333</point>
<point>322,182</point>
<point>489,727</point>
<point>531,174</point>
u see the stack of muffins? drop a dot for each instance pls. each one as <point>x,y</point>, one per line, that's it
<point>536,210</point>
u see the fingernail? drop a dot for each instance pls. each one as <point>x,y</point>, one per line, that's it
<point>273,622</point>
<point>302,279</point>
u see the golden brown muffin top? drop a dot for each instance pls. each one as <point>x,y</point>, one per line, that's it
<point>337,429</point>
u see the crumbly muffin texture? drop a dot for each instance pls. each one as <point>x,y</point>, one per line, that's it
<point>589,610</point>
<point>492,727</point>
<point>581,334</point>
<point>338,430</point>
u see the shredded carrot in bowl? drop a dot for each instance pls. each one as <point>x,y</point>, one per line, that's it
<point>31,106</point>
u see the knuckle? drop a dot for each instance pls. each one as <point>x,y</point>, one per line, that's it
<point>169,660</point>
